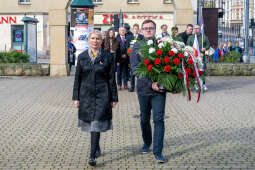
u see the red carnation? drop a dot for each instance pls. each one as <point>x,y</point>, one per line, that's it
<point>188,70</point>
<point>180,55</point>
<point>157,61</point>
<point>171,53</point>
<point>167,68</point>
<point>167,60</point>
<point>149,67</point>
<point>190,62</point>
<point>180,75</point>
<point>146,61</point>
<point>159,52</point>
<point>176,61</point>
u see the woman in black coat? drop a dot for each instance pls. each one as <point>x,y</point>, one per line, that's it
<point>95,92</point>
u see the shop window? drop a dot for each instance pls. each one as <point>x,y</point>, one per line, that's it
<point>98,1</point>
<point>132,1</point>
<point>24,2</point>
<point>167,1</point>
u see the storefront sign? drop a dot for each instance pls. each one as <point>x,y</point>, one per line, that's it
<point>8,20</point>
<point>108,18</point>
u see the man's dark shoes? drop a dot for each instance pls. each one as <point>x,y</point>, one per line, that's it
<point>131,90</point>
<point>145,149</point>
<point>92,162</point>
<point>160,158</point>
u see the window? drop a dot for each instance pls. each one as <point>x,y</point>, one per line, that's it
<point>24,2</point>
<point>167,1</point>
<point>132,1</point>
<point>98,1</point>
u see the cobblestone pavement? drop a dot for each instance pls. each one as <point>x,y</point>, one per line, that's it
<point>38,128</point>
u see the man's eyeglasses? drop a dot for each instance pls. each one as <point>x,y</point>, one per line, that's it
<point>148,28</point>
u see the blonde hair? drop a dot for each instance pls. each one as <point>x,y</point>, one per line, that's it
<point>97,33</point>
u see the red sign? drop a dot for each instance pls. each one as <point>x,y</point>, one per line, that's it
<point>8,20</point>
<point>108,18</point>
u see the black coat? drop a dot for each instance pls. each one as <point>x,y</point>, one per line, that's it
<point>95,87</point>
<point>184,37</point>
<point>122,49</point>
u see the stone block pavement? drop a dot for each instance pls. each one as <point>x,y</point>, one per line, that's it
<point>38,128</point>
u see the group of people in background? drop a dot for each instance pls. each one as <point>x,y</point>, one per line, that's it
<point>225,48</point>
<point>118,45</point>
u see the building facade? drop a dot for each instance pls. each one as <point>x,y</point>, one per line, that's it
<point>167,12</point>
<point>54,18</point>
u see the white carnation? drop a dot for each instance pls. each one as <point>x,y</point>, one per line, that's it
<point>186,54</point>
<point>149,42</point>
<point>133,42</point>
<point>152,50</point>
<point>175,50</point>
<point>161,45</point>
<point>180,44</point>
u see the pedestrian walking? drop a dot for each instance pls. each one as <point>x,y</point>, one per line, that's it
<point>95,92</point>
<point>150,98</point>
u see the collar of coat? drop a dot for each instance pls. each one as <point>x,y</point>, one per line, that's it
<point>98,54</point>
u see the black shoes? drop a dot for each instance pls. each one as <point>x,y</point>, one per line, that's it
<point>92,162</point>
<point>131,90</point>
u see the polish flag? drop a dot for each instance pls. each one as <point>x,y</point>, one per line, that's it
<point>196,48</point>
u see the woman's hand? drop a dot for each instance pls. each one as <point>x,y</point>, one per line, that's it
<point>113,104</point>
<point>76,103</point>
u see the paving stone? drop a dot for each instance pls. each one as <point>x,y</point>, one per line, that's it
<point>38,128</point>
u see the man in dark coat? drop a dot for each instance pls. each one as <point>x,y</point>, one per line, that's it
<point>137,37</point>
<point>122,58</point>
<point>185,35</point>
<point>150,98</point>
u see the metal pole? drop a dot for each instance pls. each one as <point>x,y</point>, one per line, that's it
<point>246,28</point>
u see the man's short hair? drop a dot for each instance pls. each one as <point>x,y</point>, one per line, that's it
<point>148,21</point>
<point>189,25</point>
<point>175,28</point>
<point>135,25</point>
<point>164,25</point>
<point>197,25</point>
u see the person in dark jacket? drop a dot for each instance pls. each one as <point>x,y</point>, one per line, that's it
<point>150,97</point>
<point>95,92</point>
<point>71,53</point>
<point>122,58</point>
<point>137,37</point>
<point>185,35</point>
